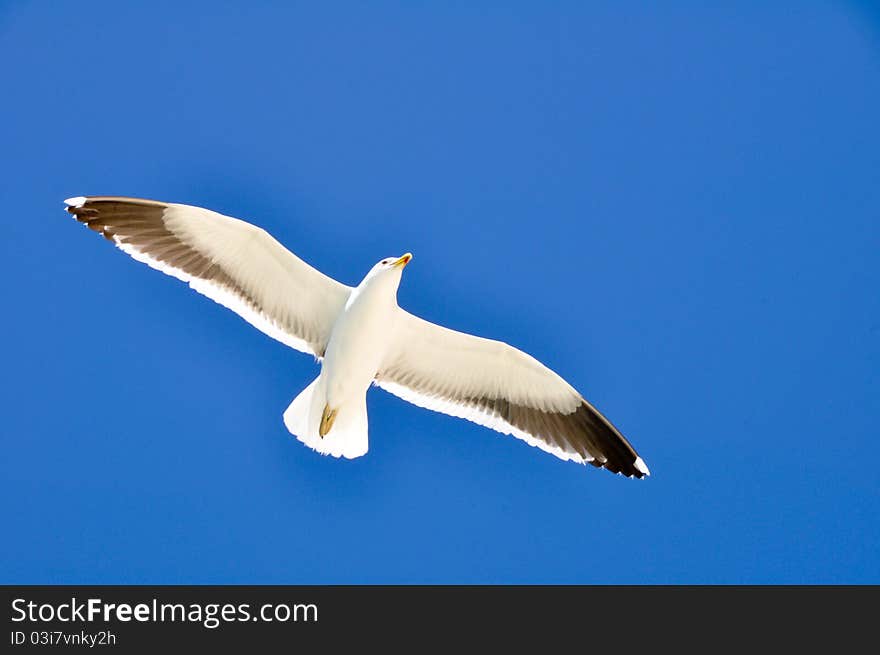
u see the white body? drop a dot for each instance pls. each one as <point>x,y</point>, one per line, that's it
<point>359,340</point>
<point>356,349</point>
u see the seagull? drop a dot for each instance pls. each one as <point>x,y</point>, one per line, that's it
<point>360,337</point>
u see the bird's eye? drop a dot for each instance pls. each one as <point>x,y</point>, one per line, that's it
<point>384,261</point>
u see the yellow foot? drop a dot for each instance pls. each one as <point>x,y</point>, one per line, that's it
<point>327,419</point>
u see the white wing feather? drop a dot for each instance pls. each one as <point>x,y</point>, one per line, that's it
<point>235,263</point>
<point>497,386</point>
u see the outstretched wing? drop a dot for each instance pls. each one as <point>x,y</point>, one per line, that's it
<point>493,384</point>
<point>234,263</point>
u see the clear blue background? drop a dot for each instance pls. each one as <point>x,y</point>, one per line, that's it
<point>676,208</point>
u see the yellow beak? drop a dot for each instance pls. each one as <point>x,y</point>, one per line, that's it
<point>403,261</point>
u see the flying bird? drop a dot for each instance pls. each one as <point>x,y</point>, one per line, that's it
<point>359,335</point>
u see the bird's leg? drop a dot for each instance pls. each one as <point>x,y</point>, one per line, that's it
<point>327,419</point>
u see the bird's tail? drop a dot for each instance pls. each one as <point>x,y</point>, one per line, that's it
<point>346,437</point>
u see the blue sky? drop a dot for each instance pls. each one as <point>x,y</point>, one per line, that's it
<point>676,208</point>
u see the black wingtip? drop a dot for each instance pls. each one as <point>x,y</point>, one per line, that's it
<point>609,448</point>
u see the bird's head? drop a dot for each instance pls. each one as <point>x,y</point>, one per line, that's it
<point>394,263</point>
<point>391,266</point>
<point>388,271</point>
